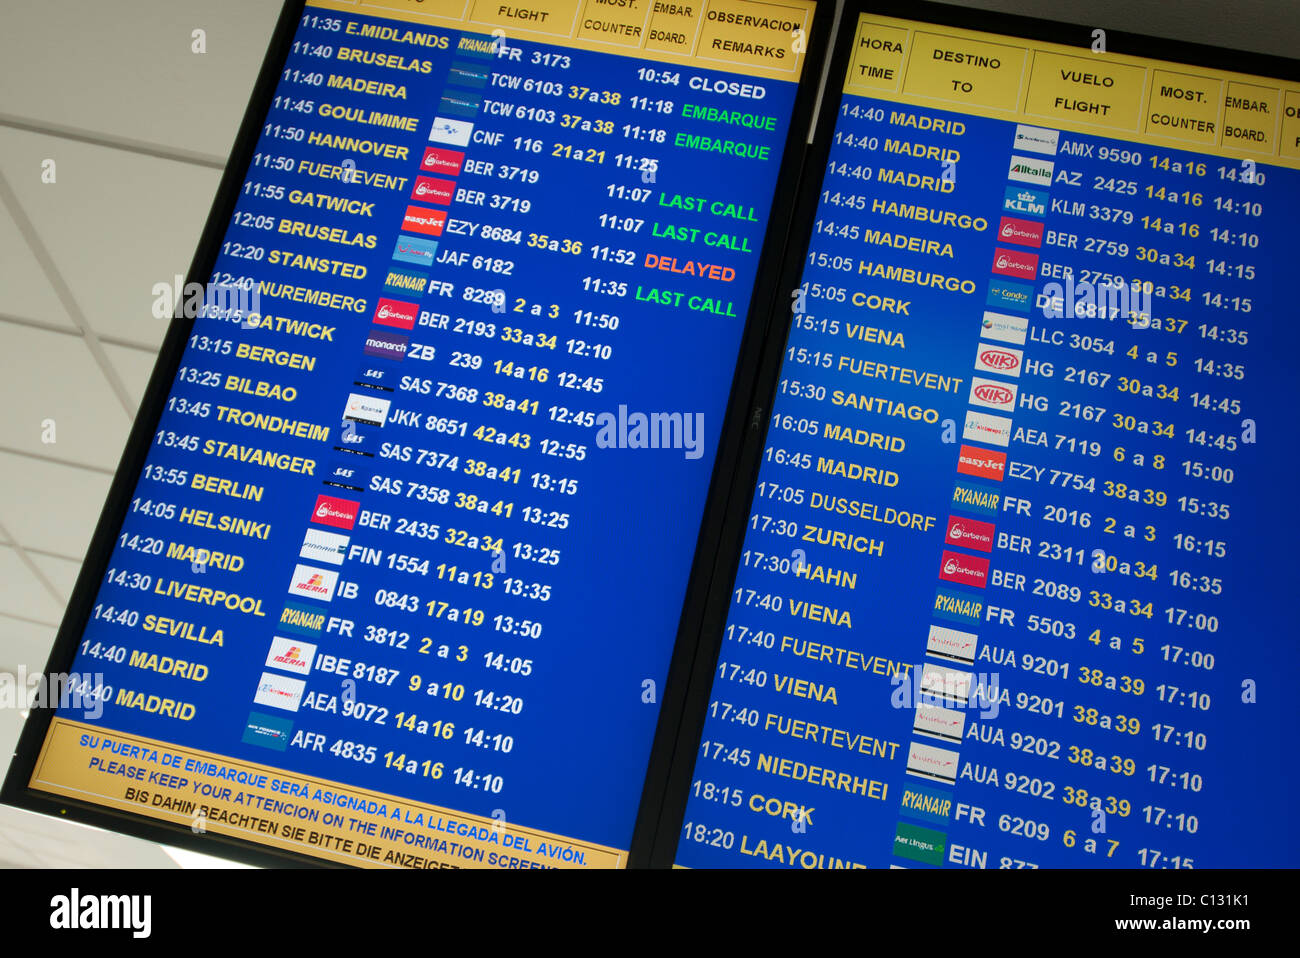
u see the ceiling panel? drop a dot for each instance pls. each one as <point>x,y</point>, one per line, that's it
<point>24,291</point>
<point>49,506</point>
<point>135,366</point>
<point>25,644</point>
<point>21,593</point>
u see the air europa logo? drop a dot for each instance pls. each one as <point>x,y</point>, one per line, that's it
<point>1023,232</point>
<point>969,533</point>
<point>1008,262</point>
<point>340,513</point>
<point>992,394</point>
<point>999,359</point>
<point>981,427</point>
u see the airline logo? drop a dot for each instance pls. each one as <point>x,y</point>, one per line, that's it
<point>936,764</point>
<point>993,394</point>
<point>340,513</point>
<point>460,103</point>
<point>963,569</point>
<point>968,533</point>
<point>399,315</point>
<point>1006,329</point>
<point>386,345</point>
<point>958,606</point>
<point>374,376</point>
<point>415,249</point>
<point>420,220</point>
<point>279,691</point>
<point>1023,232</point>
<point>981,427</point>
<point>449,131</point>
<point>348,474</point>
<point>1008,262</point>
<point>302,619</point>
<point>952,644</point>
<point>405,282</point>
<point>1026,170</point>
<point>290,656</point>
<point>369,409</point>
<point>1004,294</point>
<point>446,162</point>
<point>267,731</point>
<point>468,74</point>
<point>321,546</point>
<point>428,189</point>
<point>920,844</point>
<point>927,804</point>
<point>973,497</point>
<point>313,583</point>
<point>939,722</point>
<point>1024,201</point>
<point>1036,140</point>
<point>999,359</point>
<point>945,683</point>
<point>985,463</point>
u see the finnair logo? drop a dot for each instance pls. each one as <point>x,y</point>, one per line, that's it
<point>77,911</point>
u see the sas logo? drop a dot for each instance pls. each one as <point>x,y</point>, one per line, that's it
<point>279,691</point>
<point>391,312</point>
<point>1036,140</point>
<point>992,394</point>
<point>1006,329</point>
<point>431,190</point>
<point>953,644</point>
<point>272,731</point>
<point>984,463</point>
<point>1023,200</point>
<point>999,359</point>
<point>969,533</point>
<point>313,583</point>
<point>371,410</point>
<point>340,513</point>
<point>963,569</point>
<point>958,606</point>
<point>302,619</point>
<point>1026,170</point>
<point>386,345</point>
<point>981,427</point>
<point>420,220</point>
<point>939,722</point>
<point>1008,295</point>
<point>415,249</point>
<point>973,497</point>
<point>347,473</point>
<point>451,132</point>
<point>1023,232</point>
<point>920,844</point>
<point>936,764</point>
<point>1008,262</point>
<point>950,685</point>
<point>290,656</point>
<point>927,804</point>
<point>446,162</point>
<point>321,546</point>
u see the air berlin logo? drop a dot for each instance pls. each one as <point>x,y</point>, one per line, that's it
<point>340,513</point>
<point>1010,262</point>
<point>390,312</point>
<point>968,570</point>
<point>430,190</point>
<point>446,162</point>
<point>1023,232</point>
<point>970,533</point>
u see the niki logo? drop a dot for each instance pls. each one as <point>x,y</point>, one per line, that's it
<point>999,359</point>
<point>992,394</point>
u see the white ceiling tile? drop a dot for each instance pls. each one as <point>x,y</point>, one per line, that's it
<point>126,68</point>
<point>135,366</point>
<point>61,572</point>
<point>115,224</point>
<point>49,506</point>
<point>21,593</point>
<point>25,643</point>
<point>58,380</point>
<point>24,290</point>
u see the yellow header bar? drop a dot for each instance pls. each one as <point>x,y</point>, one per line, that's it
<point>759,38</point>
<point>1137,99</point>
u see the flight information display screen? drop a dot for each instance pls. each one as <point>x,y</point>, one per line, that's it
<point>402,573</point>
<point>1015,586</point>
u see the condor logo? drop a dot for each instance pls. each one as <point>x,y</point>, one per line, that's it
<point>420,220</point>
<point>340,513</point>
<point>446,162</point>
<point>993,394</point>
<point>1013,263</point>
<point>967,570</point>
<point>969,533</point>
<point>429,190</point>
<point>390,312</point>
<point>1023,232</point>
<point>999,359</point>
<point>985,463</point>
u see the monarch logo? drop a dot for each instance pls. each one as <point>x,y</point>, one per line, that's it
<point>451,132</point>
<point>1026,202</point>
<point>920,844</point>
<point>446,162</point>
<point>958,607</point>
<point>386,345</point>
<point>414,249</point>
<point>951,644</point>
<point>1025,170</point>
<point>313,583</point>
<point>322,546</point>
<point>1023,232</point>
<point>290,656</point>
<point>279,691</point>
<point>939,722</point>
<point>966,570</point>
<point>1008,262</point>
<point>975,498</point>
<point>1036,140</point>
<point>365,409</point>
<point>1006,329</point>
<point>340,513</point>
<point>430,190</point>
<point>998,359</point>
<point>993,394</point>
<point>927,804</point>
<point>267,731</point>
<point>936,764</point>
<point>985,463</point>
<point>1007,295</point>
<point>981,427</point>
<point>420,220</point>
<point>969,533</point>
